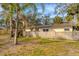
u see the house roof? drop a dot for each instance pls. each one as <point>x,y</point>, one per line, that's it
<point>45,26</point>
<point>62,25</point>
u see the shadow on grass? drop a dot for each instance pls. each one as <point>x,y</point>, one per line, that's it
<point>39,40</point>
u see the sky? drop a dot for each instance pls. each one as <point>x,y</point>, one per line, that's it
<point>0,8</point>
<point>49,9</point>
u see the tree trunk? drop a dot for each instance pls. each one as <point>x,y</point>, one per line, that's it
<point>15,36</point>
<point>23,29</point>
<point>10,28</point>
<point>16,32</point>
<point>36,31</point>
<point>16,27</point>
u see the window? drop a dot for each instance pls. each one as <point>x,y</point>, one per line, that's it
<point>66,29</point>
<point>45,30</point>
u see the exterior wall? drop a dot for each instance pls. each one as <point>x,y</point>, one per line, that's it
<point>68,35</point>
<point>48,34</point>
<point>75,35</point>
<point>62,30</point>
<point>54,33</point>
<point>57,33</point>
<point>65,35</point>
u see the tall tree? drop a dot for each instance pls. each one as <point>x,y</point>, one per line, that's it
<point>8,14</point>
<point>61,9</point>
<point>15,11</point>
<point>73,9</point>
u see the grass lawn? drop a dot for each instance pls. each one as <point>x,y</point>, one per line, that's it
<point>43,47</point>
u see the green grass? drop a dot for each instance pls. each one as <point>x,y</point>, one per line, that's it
<point>43,47</point>
<point>25,39</point>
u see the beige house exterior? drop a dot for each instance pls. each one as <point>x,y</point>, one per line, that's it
<point>63,30</point>
<point>56,31</point>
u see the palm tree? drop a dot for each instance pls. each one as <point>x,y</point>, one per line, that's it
<point>61,9</point>
<point>17,10</point>
<point>8,14</point>
<point>33,24</point>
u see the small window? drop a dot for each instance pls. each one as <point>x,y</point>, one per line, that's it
<point>66,29</point>
<point>45,30</point>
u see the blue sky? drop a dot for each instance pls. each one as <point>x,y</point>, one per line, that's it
<point>49,9</point>
<point>0,8</point>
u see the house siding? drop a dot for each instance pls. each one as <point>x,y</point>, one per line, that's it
<point>59,33</point>
<point>62,30</point>
<point>65,35</point>
<point>48,34</point>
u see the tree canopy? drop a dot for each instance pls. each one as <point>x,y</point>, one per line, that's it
<point>58,19</point>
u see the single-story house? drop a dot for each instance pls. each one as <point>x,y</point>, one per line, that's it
<point>63,30</point>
